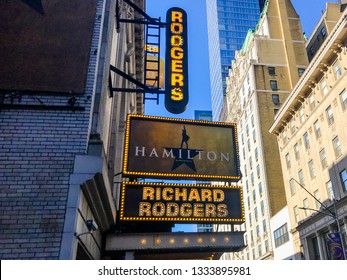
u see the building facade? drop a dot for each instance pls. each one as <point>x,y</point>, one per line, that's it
<point>62,130</point>
<point>262,75</point>
<point>312,144</point>
<point>228,22</point>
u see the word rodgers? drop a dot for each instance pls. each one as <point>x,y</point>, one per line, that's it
<point>182,202</point>
<point>177,55</point>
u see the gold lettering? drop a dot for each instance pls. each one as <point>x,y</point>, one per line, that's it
<point>145,209</point>
<point>177,66</point>
<point>186,210</point>
<point>181,193</point>
<point>172,209</point>
<point>158,209</point>
<point>177,80</point>
<point>176,17</point>
<point>176,94</point>
<point>198,210</point>
<point>194,195</point>
<point>206,195</point>
<point>176,53</point>
<point>210,210</point>
<point>222,211</point>
<point>176,28</point>
<point>176,41</point>
<point>158,193</point>
<point>168,193</point>
<point>218,195</point>
<point>148,193</point>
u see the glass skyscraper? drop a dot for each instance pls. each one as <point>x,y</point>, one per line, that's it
<point>228,23</point>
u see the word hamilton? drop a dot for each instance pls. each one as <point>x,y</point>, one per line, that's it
<point>182,154</point>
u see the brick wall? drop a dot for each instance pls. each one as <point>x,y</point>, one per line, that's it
<point>37,152</point>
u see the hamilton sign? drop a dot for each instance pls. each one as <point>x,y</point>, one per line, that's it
<point>157,147</point>
<point>181,203</point>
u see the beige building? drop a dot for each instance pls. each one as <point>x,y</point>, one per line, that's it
<point>312,139</point>
<point>262,76</point>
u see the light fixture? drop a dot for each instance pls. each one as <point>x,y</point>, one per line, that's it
<point>91,225</point>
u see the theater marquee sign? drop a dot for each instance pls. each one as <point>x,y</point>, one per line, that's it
<point>181,203</point>
<point>168,148</point>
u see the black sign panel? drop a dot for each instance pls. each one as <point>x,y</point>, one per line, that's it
<point>176,61</point>
<point>184,203</point>
<point>157,147</point>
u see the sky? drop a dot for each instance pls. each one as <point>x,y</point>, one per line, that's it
<point>198,64</point>
<point>309,11</point>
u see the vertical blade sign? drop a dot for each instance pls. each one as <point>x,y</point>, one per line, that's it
<point>176,74</point>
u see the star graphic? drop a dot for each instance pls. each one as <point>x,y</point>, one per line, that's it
<point>184,156</point>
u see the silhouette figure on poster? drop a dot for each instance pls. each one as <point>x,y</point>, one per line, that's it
<point>185,137</point>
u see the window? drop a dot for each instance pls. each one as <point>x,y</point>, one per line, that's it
<point>254,196</point>
<point>306,141</point>
<point>301,177</point>
<point>250,218</point>
<point>306,206</point>
<point>284,137</point>
<point>288,161</point>
<point>292,126</point>
<point>264,226</point>
<point>252,179</point>
<point>250,162</point>
<point>276,112</point>
<point>312,169</point>
<point>292,187</point>
<point>323,31</point>
<point>258,170</point>
<point>258,230</point>
<point>323,87</point>
<point>276,98</point>
<point>256,154</point>
<point>273,85</point>
<point>262,207</point>
<point>337,146</point>
<point>260,186</point>
<point>281,235</point>
<point>256,214</point>
<point>252,120</point>
<point>266,246</point>
<point>301,71</point>
<point>337,70</point>
<point>249,144</point>
<point>343,175</point>
<point>317,130</point>
<point>259,250</point>
<point>247,186</point>
<point>302,114</point>
<point>254,135</point>
<point>296,151</point>
<point>330,115</point>
<point>249,202</point>
<point>323,159</point>
<point>272,71</point>
<point>329,187</point>
<point>343,99</point>
<point>296,213</point>
<point>312,101</point>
